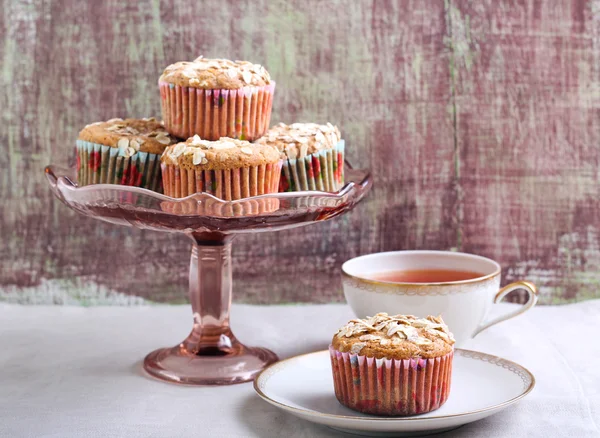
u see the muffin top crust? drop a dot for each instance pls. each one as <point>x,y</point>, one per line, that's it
<point>225,153</point>
<point>216,74</point>
<point>395,337</point>
<point>129,135</point>
<point>301,139</point>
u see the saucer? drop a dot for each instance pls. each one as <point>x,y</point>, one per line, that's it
<point>482,385</point>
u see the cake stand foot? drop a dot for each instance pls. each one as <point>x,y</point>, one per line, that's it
<point>179,365</point>
<point>211,354</point>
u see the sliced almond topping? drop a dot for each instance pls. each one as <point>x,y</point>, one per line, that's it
<point>135,144</point>
<point>224,145</point>
<point>198,157</point>
<point>355,349</point>
<point>196,140</point>
<point>123,143</point>
<point>178,150</point>
<point>247,150</point>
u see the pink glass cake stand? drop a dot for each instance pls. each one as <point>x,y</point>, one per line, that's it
<point>211,354</point>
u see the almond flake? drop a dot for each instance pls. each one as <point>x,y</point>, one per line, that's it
<point>196,140</point>
<point>247,150</point>
<point>188,73</point>
<point>232,73</point>
<point>194,82</point>
<point>198,157</point>
<point>247,76</point>
<point>355,349</point>
<point>178,150</point>
<point>223,145</point>
<point>135,144</point>
<point>369,338</point>
<point>163,140</point>
<point>123,143</point>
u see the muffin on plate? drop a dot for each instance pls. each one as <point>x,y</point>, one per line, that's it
<point>216,98</point>
<point>313,156</point>
<point>392,365</point>
<point>228,168</point>
<point>123,152</point>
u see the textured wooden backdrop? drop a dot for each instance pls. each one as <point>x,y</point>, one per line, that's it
<point>479,119</point>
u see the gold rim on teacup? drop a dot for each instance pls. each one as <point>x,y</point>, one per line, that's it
<point>394,284</point>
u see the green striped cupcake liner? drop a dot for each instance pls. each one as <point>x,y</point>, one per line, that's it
<point>100,164</point>
<point>323,171</point>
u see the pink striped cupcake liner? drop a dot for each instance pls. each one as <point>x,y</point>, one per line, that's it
<point>229,185</point>
<point>391,387</point>
<point>243,114</point>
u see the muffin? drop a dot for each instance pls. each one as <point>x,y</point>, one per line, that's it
<point>123,152</point>
<point>313,156</point>
<point>216,98</point>
<point>392,365</point>
<point>228,168</point>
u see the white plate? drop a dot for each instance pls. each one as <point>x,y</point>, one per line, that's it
<point>482,385</point>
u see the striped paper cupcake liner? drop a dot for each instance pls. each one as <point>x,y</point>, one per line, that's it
<point>323,171</point>
<point>243,114</point>
<point>100,164</point>
<point>391,387</point>
<point>228,184</point>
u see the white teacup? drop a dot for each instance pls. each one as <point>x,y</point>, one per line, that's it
<point>463,304</point>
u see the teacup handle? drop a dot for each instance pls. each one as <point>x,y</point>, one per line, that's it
<point>531,300</point>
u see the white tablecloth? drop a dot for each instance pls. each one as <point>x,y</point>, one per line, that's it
<point>74,371</point>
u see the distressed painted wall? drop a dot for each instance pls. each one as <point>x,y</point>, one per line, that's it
<point>480,120</point>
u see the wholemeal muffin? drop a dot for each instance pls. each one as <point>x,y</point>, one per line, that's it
<point>123,152</point>
<point>313,156</point>
<point>216,98</point>
<point>228,168</point>
<point>392,365</point>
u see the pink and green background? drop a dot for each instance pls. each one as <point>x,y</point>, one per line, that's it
<point>479,119</point>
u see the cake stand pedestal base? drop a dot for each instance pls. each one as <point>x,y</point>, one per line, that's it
<point>212,367</point>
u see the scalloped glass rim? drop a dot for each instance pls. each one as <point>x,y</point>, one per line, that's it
<point>203,212</point>
<point>57,175</point>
